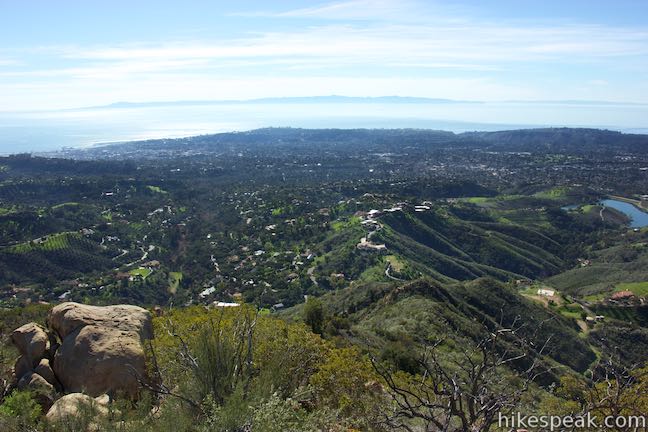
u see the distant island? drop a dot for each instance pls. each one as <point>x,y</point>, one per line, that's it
<point>337,99</point>
<point>289,100</point>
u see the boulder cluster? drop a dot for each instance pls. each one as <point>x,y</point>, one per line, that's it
<point>87,352</point>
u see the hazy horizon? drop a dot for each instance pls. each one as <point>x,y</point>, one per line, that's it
<point>47,131</point>
<point>92,72</point>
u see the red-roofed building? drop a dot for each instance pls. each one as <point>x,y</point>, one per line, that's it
<point>622,295</point>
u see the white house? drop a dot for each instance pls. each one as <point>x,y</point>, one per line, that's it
<point>546,292</point>
<point>221,304</point>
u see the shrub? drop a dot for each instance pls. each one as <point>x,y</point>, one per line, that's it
<point>314,315</point>
<point>347,383</point>
<point>19,412</point>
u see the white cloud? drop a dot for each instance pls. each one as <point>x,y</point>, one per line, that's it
<point>371,10</point>
<point>354,9</point>
<point>413,44</point>
<point>9,62</point>
<point>108,71</point>
<point>399,50</point>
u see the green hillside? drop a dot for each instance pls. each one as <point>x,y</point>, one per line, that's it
<point>65,255</point>
<point>462,249</point>
<point>422,312</point>
<point>620,267</point>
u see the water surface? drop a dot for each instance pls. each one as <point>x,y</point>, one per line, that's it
<point>639,218</point>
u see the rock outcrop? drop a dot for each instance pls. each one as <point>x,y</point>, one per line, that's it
<point>32,341</point>
<point>101,351</point>
<point>68,317</point>
<point>97,360</point>
<point>45,370</point>
<point>101,348</point>
<point>74,404</point>
<point>22,367</point>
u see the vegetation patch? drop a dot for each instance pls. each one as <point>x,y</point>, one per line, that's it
<point>66,204</point>
<point>396,263</point>
<point>141,272</point>
<point>51,242</point>
<point>7,210</point>
<point>553,193</point>
<point>174,281</point>
<point>341,224</point>
<point>156,189</point>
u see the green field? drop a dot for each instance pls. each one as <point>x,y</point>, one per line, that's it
<point>340,224</point>
<point>476,200</point>
<point>489,200</point>
<point>570,310</point>
<point>396,263</point>
<point>638,288</point>
<point>47,243</point>
<point>589,207</point>
<point>143,272</point>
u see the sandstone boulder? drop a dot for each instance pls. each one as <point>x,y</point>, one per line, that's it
<point>42,391</point>
<point>101,349</point>
<point>76,404</point>
<point>22,367</point>
<point>45,370</point>
<point>32,341</point>
<point>68,317</point>
<point>98,360</point>
<point>33,381</point>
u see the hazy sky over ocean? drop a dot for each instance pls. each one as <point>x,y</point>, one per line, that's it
<point>64,54</point>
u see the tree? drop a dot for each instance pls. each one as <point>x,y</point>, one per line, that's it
<point>618,392</point>
<point>467,393</point>
<point>314,315</point>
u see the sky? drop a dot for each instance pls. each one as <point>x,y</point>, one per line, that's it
<point>66,54</point>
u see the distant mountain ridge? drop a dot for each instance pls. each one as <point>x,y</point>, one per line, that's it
<point>347,99</point>
<point>288,100</point>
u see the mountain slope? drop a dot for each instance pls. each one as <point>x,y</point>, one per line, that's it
<point>420,313</point>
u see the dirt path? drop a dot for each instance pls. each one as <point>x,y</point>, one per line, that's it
<point>310,272</point>
<point>390,276</point>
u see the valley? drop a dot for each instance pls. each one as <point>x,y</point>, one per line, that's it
<point>383,242</point>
